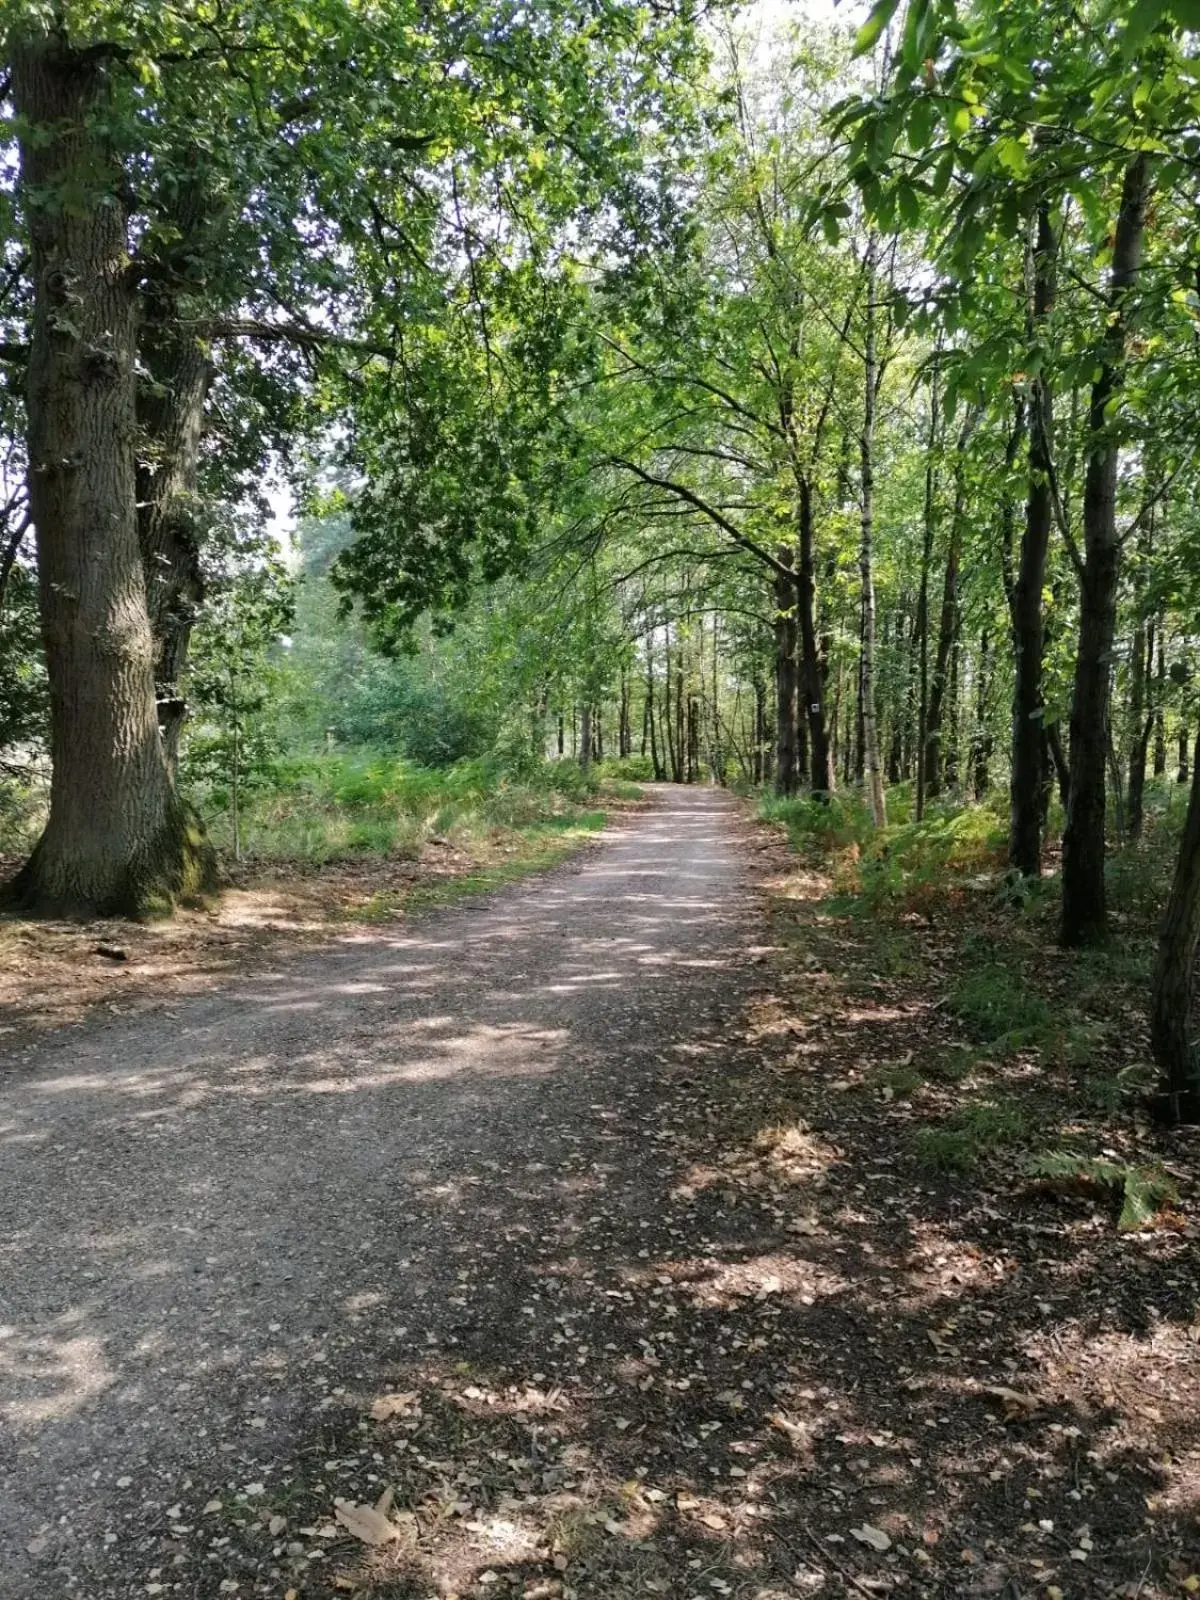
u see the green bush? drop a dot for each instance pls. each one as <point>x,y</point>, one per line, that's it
<point>994,1003</point>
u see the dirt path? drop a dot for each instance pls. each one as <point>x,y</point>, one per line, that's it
<point>586,1227</point>
<point>229,1222</point>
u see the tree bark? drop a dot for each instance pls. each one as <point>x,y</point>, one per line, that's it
<point>785,678</point>
<point>585,735</point>
<point>170,414</point>
<point>922,621</point>
<point>1084,907</point>
<point>981,748</point>
<point>813,675</point>
<point>1173,988</point>
<point>1029,644</point>
<point>117,841</point>
<point>1141,725</point>
<point>870,714</point>
<point>1160,699</point>
<point>947,632</point>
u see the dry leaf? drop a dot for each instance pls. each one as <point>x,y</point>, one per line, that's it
<point>394,1405</point>
<point>1016,1404</point>
<point>875,1537</point>
<point>368,1523</point>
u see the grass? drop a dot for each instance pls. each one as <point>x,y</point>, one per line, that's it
<point>970,1133</point>
<point>330,808</point>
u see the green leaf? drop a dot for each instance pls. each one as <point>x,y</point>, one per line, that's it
<point>911,50</point>
<point>958,119</point>
<point>921,122</point>
<point>881,14</point>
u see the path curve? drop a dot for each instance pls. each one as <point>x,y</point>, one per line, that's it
<point>210,1210</point>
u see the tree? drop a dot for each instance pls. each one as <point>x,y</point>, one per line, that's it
<point>294,241</point>
<point>118,840</point>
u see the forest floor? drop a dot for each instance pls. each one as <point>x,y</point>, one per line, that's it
<point>662,1227</point>
<point>55,972</point>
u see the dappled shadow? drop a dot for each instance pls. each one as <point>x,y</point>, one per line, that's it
<point>209,1210</point>
<point>619,1288</point>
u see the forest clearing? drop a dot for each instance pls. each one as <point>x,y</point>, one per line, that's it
<point>599,799</point>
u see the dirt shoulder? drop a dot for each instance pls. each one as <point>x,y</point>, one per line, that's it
<point>54,973</point>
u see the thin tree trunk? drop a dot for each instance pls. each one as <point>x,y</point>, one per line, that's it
<point>813,675</point>
<point>785,678</point>
<point>585,735</point>
<point>982,744</point>
<point>1173,988</point>
<point>760,728</point>
<point>939,684</point>
<point>1084,907</point>
<point>1160,700</point>
<point>870,717</point>
<point>1142,725</point>
<point>117,840</point>
<point>922,623</point>
<point>1025,806</point>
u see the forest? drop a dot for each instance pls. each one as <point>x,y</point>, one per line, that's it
<point>733,468</point>
<point>769,403</point>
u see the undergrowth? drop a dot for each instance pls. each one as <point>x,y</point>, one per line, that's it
<point>1030,1063</point>
<point>326,808</point>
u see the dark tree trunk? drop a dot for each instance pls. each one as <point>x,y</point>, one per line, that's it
<point>922,622</point>
<point>1181,775</point>
<point>562,735</point>
<point>1141,725</point>
<point>785,678</point>
<point>1058,764</point>
<point>1173,990</point>
<point>760,729</point>
<point>812,673</point>
<point>1025,808</point>
<point>585,735</point>
<point>1160,700</point>
<point>868,708</point>
<point>940,679</point>
<point>1084,908</point>
<point>981,753</point>
<point>117,841</point>
<point>895,761</point>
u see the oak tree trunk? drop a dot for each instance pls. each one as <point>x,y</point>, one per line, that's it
<point>117,841</point>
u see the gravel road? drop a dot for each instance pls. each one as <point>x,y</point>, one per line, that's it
<point>219,1215</point>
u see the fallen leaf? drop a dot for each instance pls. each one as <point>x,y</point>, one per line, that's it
<point>367,1523</point>
<point>1016,1404</point>
<point>394,1405</point>
<point>875,1537</point>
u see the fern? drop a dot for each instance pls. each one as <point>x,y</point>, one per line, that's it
<point>1143,1190</point>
